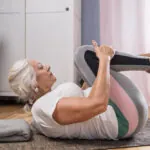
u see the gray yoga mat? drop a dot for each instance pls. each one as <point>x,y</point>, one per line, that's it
<point>40,142</point>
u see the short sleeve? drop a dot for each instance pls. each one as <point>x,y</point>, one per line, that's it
<point>42,112</point>
<point>45,107</point>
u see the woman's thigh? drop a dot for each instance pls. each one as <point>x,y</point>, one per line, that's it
<point>129,103</point>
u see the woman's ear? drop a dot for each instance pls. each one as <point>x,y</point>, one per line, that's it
<point>35,86</point>
<point>37,89</point>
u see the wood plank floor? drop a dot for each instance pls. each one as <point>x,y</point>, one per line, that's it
<point>16,111</point>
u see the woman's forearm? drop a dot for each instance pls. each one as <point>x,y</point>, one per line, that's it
<point>145,54</point>
<point>101,86</point>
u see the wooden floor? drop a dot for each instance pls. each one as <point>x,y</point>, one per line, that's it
<point>16,111</point>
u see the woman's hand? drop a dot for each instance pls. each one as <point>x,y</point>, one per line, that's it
<point>103,50</point>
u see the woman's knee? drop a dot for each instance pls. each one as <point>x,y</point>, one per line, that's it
<point>81,64</point>
<point>79,54</point>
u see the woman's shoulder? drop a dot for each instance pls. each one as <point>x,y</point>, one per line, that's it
<point>47,99</point>
<point>67,84</point>
<point>60,90</point>
<point>70,89</point>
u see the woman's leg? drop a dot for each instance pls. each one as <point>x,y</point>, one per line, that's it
<point>128,102</point>
<point>131,103</point>
<point>120,62</point>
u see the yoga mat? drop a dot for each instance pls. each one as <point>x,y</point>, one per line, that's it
<point>40,142</point>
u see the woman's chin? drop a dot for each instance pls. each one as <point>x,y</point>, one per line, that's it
<point>54,80</point>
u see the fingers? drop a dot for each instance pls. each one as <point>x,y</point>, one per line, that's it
<point>95,44</point>
<point>102,48</point>
<point>107,50</point>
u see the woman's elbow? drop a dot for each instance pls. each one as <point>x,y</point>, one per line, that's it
<point>99,105</point>
<point>104,107</point>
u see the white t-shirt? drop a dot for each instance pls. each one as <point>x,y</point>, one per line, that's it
<point>102,126</point>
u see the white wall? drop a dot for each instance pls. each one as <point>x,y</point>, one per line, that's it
<point>12,38</point>
<point>43,30</point>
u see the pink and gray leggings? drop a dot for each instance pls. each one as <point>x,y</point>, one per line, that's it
<point>128,102</point>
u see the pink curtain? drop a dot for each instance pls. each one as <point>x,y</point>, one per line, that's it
<point>124,26</point>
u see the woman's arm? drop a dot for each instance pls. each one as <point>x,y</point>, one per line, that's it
<point>77,109</point>
<point>145,54</point>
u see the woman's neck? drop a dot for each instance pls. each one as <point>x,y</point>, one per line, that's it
<point>39,94</point>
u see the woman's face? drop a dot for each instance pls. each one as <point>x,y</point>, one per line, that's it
<point>44,77</point>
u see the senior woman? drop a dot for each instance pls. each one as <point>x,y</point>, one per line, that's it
<point>113,108</point>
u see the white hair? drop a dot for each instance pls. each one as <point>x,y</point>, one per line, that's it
<point>22,79</point>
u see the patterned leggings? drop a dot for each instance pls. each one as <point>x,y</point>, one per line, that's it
<point>128,102</point>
